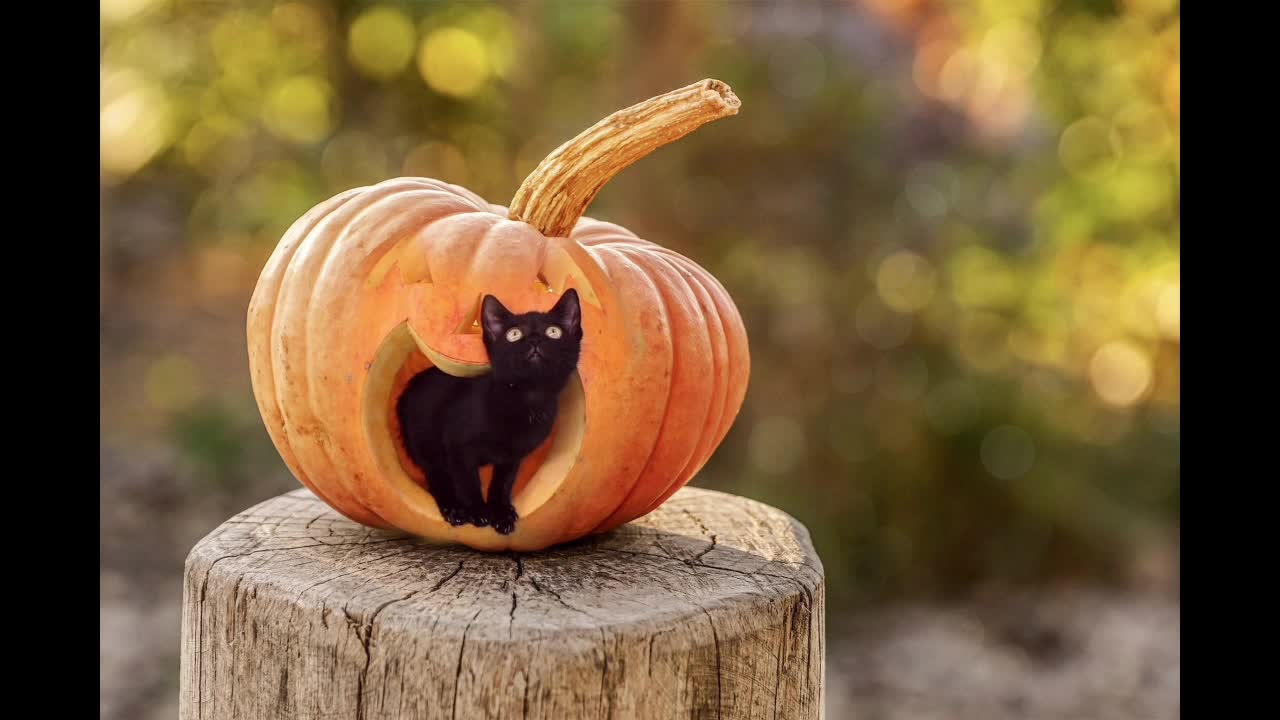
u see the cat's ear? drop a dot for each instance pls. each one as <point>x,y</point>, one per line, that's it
<point>567,312</point>
<point>493,316</point>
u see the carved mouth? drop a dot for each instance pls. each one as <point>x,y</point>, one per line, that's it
<point>403,355</point>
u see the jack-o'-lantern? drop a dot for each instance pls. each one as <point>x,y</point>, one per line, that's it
<point>379,283</point>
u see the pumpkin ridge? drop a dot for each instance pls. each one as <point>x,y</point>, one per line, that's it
<point>706,311</point>
<point>288,419</point>
<point>668,280</point>
<point>720,298</point>
<point>742,364</point>
<point>591,227</point>
<point>481,204</point>
<point>479,244</point>
<point>384,257</point>
<point>303,344</point>
<point>661,305</point>
<point>698,276</point>
<point>272,393</point>
<point>723,364</point>
<point>368,267</point>
<point>436,249</point>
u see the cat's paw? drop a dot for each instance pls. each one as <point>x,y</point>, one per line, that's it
<point>503,519</point>
<point>479,517</point>
<point>455,516</point>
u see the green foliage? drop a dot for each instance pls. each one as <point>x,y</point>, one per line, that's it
<point>221,444</point>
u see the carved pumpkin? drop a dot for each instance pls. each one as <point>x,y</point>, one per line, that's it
<point>378,283</point>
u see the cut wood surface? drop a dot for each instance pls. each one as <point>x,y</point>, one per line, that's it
<point>709,607</point>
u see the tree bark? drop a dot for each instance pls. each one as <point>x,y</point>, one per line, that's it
<point>709,607</point>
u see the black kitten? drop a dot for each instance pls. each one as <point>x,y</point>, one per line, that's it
<point>453,426</point>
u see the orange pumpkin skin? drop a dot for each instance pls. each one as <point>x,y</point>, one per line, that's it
<point>377,283</point>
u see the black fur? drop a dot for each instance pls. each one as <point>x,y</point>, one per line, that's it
<point>453,426</point>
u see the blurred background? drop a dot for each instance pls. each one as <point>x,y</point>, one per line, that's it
<point>952,229</point>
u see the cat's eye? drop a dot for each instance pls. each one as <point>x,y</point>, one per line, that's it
<point>514,334</point>
<point>554,332</point>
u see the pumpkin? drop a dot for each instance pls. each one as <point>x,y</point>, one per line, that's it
<point>378,283</point>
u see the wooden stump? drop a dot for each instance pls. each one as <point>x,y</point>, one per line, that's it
<point>709,607</point>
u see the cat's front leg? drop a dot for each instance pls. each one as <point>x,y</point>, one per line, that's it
<point>466,489</point>
<point>433,461</point>
<point>502,514</point>
<point>440,484</point>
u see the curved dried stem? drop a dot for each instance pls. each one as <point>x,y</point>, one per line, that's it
<point>559,190</point>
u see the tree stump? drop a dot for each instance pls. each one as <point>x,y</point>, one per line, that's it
<point>709,607</point>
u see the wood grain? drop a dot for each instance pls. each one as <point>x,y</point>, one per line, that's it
<point>709,607</point>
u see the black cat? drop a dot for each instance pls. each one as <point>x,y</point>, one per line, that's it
<point>453,426</point>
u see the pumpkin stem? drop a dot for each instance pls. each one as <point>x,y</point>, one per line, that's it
<point>559,190</point>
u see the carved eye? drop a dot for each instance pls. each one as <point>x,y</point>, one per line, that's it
<point>514,334</point>
<point>554,332</point>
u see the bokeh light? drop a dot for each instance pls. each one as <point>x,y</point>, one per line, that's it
<point>983,278</point>
<point>453,61</point>
<point>298,109</point>
<point>134,122</point>
<point>382,41</point>
<point>905,281</point>
<point>1168,311</point>
<point>1121,373</point>
<point>1086,148</point>
<point>216,145</point>
<point>119,11</point>
<point>1013,44</point>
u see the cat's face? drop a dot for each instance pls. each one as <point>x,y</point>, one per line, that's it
<point>533,346</point>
